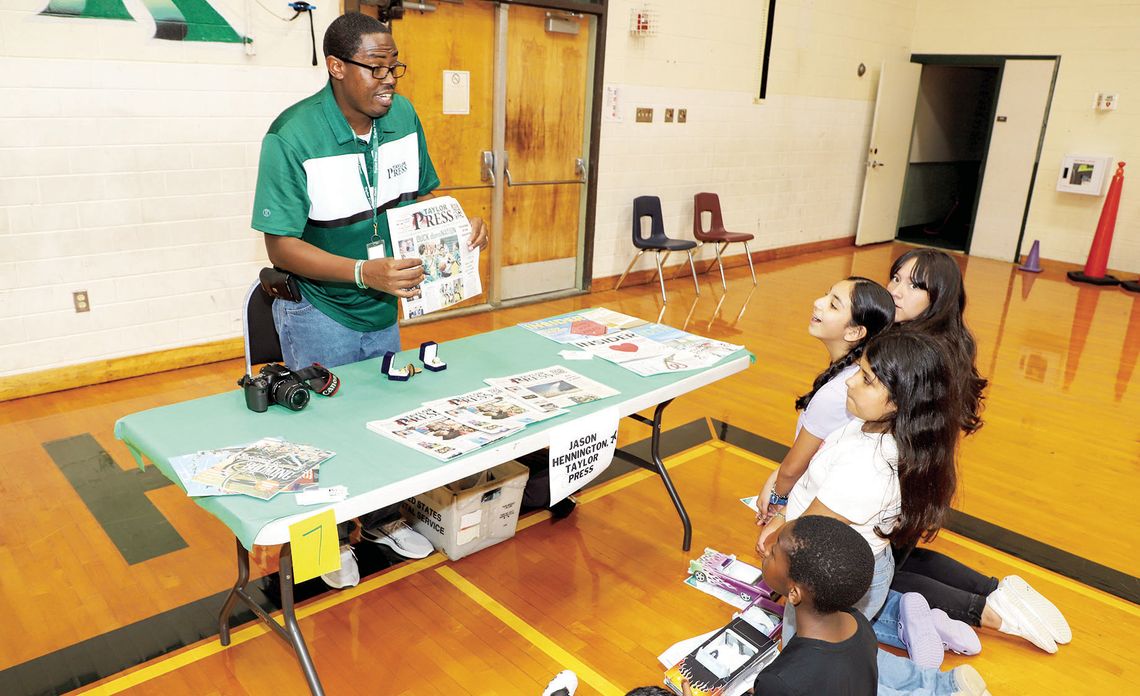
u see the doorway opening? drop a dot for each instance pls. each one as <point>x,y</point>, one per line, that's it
<point>952,125</point>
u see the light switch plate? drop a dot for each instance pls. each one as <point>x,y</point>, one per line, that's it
<point>644,115</point>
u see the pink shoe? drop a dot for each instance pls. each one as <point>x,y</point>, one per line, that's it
<point>957,636</point>
<point>917,631</point>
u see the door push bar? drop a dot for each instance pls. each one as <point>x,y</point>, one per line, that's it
<point>579,170</point>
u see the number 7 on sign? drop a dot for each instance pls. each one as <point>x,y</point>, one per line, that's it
<point>310,555</point>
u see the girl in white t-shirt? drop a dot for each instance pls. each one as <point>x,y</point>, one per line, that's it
<point>852,312</point>
<point>890,473</point>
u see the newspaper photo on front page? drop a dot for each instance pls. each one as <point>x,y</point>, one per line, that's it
<point>437,232</point>
<point>558,385</point>
<point>433,433</point>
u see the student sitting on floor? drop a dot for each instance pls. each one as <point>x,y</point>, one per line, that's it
<point>823,567</point>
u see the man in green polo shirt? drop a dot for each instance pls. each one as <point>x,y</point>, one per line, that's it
<point>331,166</point>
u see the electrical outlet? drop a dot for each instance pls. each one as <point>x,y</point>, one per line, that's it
<point>668,115</point>
<point>682,115</point>
<point>644,115</point>
<point>82,303</point>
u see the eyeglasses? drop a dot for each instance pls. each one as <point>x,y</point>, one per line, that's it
<point>381,71</point>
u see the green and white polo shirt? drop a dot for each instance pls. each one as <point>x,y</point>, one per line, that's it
<point>308,186</point>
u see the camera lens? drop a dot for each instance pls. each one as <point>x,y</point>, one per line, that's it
<point>291,394</point>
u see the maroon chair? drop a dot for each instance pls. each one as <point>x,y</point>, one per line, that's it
<point>716,234</point>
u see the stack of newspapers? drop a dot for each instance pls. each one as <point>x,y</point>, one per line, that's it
<point>450,427</point>
<point>638,346</point>
<point>262,469</point>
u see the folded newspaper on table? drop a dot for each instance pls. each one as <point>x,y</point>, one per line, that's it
<point>491,410</point>
<point>557,385</point>
<point>433,433</point>
<point>575,326</point>
<point>436,231</point>
<point>680,351</point>
<point>263,469</point>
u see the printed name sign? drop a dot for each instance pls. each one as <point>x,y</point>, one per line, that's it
<point>580,450</point>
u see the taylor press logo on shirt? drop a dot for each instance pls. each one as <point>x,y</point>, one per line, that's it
<point>397,170</point>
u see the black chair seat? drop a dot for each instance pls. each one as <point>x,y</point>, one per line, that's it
<point>665,244</point>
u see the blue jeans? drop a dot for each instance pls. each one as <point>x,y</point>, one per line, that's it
<point>887,624</point>
<point>308,335</point>
<point>898,675</point>
<point>868,605</point>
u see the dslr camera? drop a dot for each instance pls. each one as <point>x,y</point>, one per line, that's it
<point>275,384</point>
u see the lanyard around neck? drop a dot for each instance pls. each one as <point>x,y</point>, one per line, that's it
<point>372,190</point>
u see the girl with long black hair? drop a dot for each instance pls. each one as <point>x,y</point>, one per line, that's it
<point>853,311</point>
<point>930,588</point>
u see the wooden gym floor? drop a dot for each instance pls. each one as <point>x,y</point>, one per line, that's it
<point>102,567</point>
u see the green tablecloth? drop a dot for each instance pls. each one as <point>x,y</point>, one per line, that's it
<point>364,460</point>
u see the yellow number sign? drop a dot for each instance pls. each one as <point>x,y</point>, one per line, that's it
<point>316,549</point>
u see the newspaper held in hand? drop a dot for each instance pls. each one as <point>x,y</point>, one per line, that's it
<point>437,232</point>
<point>432,433</point>
<point>557,385</point>
<point>263,469</point>
<point>491,410</point>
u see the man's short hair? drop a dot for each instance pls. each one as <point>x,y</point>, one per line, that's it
<point>832,560</point>
<point>650,691</point>
<point>342,38</point>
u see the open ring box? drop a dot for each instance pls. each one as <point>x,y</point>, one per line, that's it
<point>429,356</point>
<point>396,374</point>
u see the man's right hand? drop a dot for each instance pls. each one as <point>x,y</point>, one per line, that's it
<point>394,276</point>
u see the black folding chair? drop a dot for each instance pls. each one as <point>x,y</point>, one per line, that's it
<point>262,344</point>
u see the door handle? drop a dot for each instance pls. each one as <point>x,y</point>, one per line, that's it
<point>579,169</point>
<point>488,172</point>
<point>875,164</point>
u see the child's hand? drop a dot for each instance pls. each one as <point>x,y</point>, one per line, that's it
<point>762,499</point>
<point>686,690</point>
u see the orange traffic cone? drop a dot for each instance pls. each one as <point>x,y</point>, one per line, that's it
<point>1033,261</point>
<point>1102,240</point>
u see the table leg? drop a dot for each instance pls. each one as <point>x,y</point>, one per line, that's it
<point>291,633</point>
<point>658,466</point>
<point>287,611</point>
<point>237,592</point>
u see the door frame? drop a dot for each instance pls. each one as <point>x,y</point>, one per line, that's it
<point>599,9</point>
<point>967,60</point>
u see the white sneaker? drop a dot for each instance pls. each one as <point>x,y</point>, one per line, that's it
<point>969,682</point>
<point>399,537</point>
<point>1035,602</point>
<point>1018,618</point>
<point>565,683</point>
<point>349,573</point>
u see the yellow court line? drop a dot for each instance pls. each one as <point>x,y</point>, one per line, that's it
<point>212,646</point>
<point>1001,556</point>
<point>531,634</point>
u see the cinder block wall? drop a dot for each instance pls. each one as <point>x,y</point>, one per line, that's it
<point>127,166</point>
<point>788,169</point>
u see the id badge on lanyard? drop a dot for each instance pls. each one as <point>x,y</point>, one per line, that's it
<point>375,247</point>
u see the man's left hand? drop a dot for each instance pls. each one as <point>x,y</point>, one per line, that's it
<point>480,235</point>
